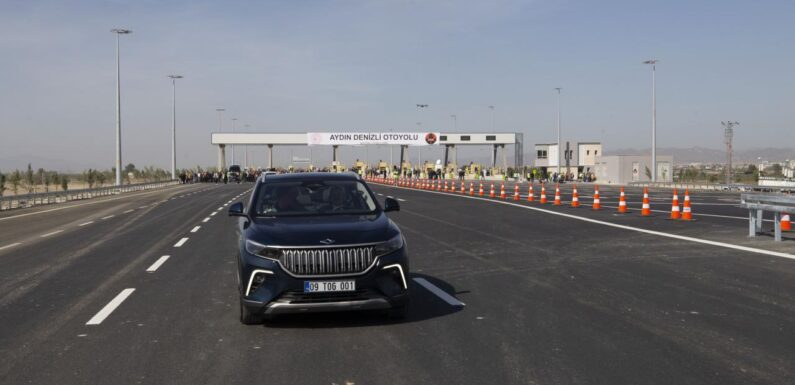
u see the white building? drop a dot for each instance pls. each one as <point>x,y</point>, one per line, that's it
<point>582,157</point>
<point>623,169</point>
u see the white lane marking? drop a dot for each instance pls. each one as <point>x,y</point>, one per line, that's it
<point>205,220</point>
<point>379,194</point>
<point>157,263</point>
<point>195,229</point>
<point>220,208</point>
<point>10,246</point>
<point>85,224</point>
<point>128,211</point>
<point>400,199</point>
<point>213,213</point>
<point>181,242</point>
<point>630,228</point>
<point>439,292</point>
<point>110,307</point>
<point>108,217</point>
<point>52,233</point>
<point>141,207</point>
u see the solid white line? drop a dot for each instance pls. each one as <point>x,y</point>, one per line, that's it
<point>213,213</point>
<point>205,220</point>
<point>181,242</point>
<point>157,263</point>
<point>128,211</point>
<point>439,292</point>
<point>195,229</point>
<point>84,224</point>
<point>630,228</point>
<point>11,245</point>
<point>52,233</point>
<point>110,307</point>
<point>108,217</point>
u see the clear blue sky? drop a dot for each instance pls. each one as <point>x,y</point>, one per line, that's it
<point>363,65</point>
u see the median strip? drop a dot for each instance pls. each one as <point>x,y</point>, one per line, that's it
<point>110,307</point>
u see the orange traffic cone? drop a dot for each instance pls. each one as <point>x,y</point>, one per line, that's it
<point>516,192</point>
<point>480,192</point>
<point>462,187</point>
<point>557,195</point>
<point>597,204</point>
<point>530,196</point>
<point>785,224</point>
<point>575,198</point>
<point>491,192</point>
<point>622,202</point>
<point>445,187</point>
<point>471,189</point>
<point>675,206</point>
<point>438,185</point>
<point>502,191</point>
<point>646,209</point>
<point>543,194</point>
<point>687,213</point>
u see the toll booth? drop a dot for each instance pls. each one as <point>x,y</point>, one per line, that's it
<point>451,170</point>
<point>337,166</point>
<point>360,167</point>
<point>405,167</point>
<point>382,166</point>
<point>473,171</point>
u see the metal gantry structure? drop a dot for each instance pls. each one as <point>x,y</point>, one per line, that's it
<point>728,136</point>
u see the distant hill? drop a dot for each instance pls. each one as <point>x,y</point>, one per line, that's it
<point>711,155</point>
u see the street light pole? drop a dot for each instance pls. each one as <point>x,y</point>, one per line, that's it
<point>492,118</point>
<point>221,125</point>
<point>653,63</point>
<point>234,120</point>
<point>118,32</point>
<point>560,148</point>
<point>245,164</point>
<point>174,125</point>
<point>455,122</point>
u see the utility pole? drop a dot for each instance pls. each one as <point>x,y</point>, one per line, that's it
<point>728,136</point>
<point>653,63</point>
<point>221,125</point>
<point>118,32</point>
<point>560,148</point>
<point>234,120</point>
<point>174,125</point>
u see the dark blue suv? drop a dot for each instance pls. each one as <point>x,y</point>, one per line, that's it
<point>318,242</point>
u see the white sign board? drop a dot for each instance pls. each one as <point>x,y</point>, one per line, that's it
<point>361,138</point>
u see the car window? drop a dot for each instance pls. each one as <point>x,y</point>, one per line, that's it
<point>316,197</point>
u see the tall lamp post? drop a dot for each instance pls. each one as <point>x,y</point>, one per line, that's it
<point>118,31</point>
<point>560,148</point>
<point>174,125</point>
<point>492,117</point>
<point>653,63</point>
<point>245,164</point>
<point>420,107</point>
<point>221,124</point>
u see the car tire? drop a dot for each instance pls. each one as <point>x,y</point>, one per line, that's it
<point>247,317</point>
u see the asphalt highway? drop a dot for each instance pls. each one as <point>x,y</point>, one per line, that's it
<point>503,292</point>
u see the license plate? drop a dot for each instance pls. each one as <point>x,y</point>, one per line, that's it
<point>328,286</point>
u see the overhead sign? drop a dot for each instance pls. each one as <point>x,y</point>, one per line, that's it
<point>361,138</point>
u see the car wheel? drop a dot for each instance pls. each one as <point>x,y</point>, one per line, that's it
<point>247,317</point>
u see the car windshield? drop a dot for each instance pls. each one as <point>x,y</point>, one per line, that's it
<point>315,197</point>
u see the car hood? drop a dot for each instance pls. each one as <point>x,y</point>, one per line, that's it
<point>310,230</point>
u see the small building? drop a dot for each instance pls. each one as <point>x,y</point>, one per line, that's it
<point>582,157</point>
<point>624,169</point>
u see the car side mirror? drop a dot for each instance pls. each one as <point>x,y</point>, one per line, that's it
<point>391,204</point>
<point>236,210</point>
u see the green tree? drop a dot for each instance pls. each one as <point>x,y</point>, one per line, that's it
<point>16,180</point>
<point>648,172</point>
<point>29,181</point>
<point>55,179</point>
<point>89,176</point>
<point>41,177</point>
<point>64,183</point>
<point>776,170</point>
<point>101,178</point>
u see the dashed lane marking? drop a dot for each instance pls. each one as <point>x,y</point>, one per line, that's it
<point>439,292</point>
<point>142,207</point>
<point>85,224</point>
<point>213,213</point>
<point>195,229</point>
<point>52,233</point>
<point>108,217</point>
<point>10,246</point>
<point>128,211</point>
<point>205,220</point>
<point>110,307</point>
<point>157,263</point>
<point>401,199</point>
<point>181,242</point>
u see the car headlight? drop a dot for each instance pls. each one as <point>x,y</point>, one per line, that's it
<point>389,246</point>
<point>261,250</point>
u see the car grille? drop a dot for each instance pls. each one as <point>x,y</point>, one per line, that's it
<point>327,261</point>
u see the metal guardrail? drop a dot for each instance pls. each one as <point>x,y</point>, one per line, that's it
<point>709,187</point>
<point>757,204</point>
<point>19,201</point>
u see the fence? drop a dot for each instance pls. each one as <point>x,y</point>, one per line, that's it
<point>37,199</point>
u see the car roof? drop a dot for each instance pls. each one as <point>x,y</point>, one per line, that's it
<point>310,176</point>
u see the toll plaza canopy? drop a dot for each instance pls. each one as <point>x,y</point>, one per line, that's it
<point>403,139</point>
